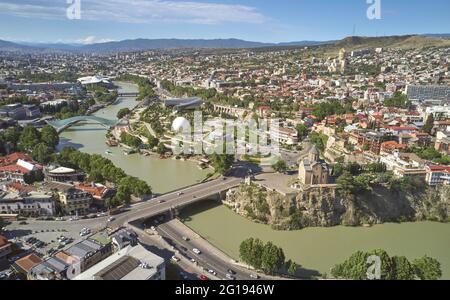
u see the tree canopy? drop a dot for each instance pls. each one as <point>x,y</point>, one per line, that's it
<point>267,257</point>
<point>356,267</point>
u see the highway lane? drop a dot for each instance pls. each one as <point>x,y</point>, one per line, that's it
<point>207,259</point>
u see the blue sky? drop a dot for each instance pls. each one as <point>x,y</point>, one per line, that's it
<point>256,20</point>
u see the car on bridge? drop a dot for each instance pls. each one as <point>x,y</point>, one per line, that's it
<point>196,251</point>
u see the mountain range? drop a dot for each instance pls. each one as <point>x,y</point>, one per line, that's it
<point>158,44</point>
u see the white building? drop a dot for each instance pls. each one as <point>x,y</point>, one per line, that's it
<point>404,164</point>
<point>130,263</point>
<point>93,80</point>
<point>437,175</point>
<point>27,204</point>
<point>284,135</point>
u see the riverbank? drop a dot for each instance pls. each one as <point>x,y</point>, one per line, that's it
<point>163,175</point>
<point>317,250</point>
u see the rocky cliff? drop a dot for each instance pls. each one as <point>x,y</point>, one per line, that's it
<point>332,206</point>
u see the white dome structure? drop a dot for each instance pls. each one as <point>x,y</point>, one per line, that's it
<point>180,124</point>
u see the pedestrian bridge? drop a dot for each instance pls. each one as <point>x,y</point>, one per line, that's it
<point>61,125</point>
<point>133,95</point>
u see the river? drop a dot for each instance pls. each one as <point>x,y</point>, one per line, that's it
<point>316,249</point>
<point>319,249</point>
<point>162,175</point>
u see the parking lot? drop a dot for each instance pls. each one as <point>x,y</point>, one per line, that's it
<point>48,232</point>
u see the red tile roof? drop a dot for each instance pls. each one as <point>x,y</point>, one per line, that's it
<point>13,158</point>
<point>28,262</point>
<point>439,169</point>
<point>14,169</point>
<point>96,191</point>
<point>3,241</point>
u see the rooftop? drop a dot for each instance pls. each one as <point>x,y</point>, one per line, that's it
<point>130,263</point>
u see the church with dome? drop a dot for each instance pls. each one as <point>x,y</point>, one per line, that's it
<point>313,170</point>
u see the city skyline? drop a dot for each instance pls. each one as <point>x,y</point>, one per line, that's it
<point>46,21</point>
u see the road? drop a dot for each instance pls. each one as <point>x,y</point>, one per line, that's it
<point>291,158</point>
<point>164,203</point>
<point>208,259</point>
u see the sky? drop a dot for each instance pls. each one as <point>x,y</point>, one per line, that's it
<point>45,21</point>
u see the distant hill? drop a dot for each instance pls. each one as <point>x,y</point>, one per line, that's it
<point>442,35</point>
<point>155,44</point>
<point>6,46</point>
<point>350,43</point>
<point>13,47</point>
<point>395,42</point>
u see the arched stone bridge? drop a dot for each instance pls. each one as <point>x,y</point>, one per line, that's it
<point>61,125</point>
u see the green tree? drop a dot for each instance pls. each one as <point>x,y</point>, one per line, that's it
<point>273,258</point>
<point>161,149</point>
<point>123,112</point>
<point>49,136</point>
<point>403,269</point>
<point>398,100</point>
<point>292,268</point>
<point>346,182</point>
<point>12,135</point>
<point>152,141</point>
<point>222,163</point>
<point>280,166</point>
<point>302,130</point>
<point>353,268</point>
<point>427,268</point>
<point>429,124</point>
<point>130,140</point>
<point>251,251</point>
<point>42,153</point>
<point>96,176</point>
<point>29,138</point>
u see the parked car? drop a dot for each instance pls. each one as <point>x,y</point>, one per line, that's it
<point>203,277</point>
<point>230,277</point>
<point>212,272</point>
<point>175,259</point>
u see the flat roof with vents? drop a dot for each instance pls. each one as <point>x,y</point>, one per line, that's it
<point>118,269</point>
<point>130,263</point>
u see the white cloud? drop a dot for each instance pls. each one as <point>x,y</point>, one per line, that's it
<point>138,11</point>
<point>92,40</point>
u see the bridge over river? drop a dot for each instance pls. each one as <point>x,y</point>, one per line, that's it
<point>177,200</point>
<point>61,125</point>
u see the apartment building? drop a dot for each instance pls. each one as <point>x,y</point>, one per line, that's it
<point>404,164</point>
<point>437,175</point>
<point>5,247</point>
<point>130,263</point>
<point>29,204</point>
